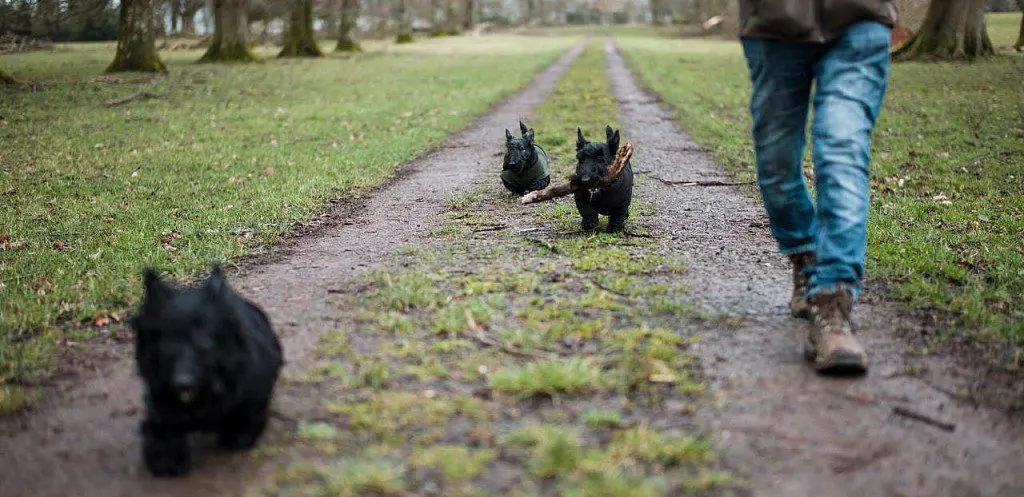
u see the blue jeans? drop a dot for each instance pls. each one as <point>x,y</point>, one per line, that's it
<point>849,78</point>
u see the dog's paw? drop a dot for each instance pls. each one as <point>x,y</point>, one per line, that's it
<point>236,441</point>
<point>166,458</point>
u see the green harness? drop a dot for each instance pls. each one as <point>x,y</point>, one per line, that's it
<point>523,178</point>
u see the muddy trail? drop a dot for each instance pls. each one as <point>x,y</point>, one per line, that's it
<point>86,443</point>
<point>788,430</point>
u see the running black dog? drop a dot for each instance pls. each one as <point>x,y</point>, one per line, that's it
<point>525,168</point>
<point>592,161</point>
<point>209,360</point>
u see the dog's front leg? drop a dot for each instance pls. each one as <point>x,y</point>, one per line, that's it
<point>617,219</point>
<point>243,425</point>
<point>586,210</point>
<point>164,447</point>
<point>540,184</point>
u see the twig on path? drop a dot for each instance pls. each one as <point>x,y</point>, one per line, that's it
<point>478,334</point>
<point>703,183</point>
<point>605,288</point>
<point>144,95</point>
<point>496,227</point>
<point>544,244</point>
<point>907,413</point>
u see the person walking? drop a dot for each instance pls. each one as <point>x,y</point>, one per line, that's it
<point>833,54</point>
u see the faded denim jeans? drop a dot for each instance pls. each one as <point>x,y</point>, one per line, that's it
<point>849,77</point>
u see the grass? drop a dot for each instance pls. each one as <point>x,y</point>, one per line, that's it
<point>552,377</point>
<point>219,163</point>
<point>948,170</point>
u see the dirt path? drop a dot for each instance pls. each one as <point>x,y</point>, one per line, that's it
<point>88,443</point>
<point>793,432</point>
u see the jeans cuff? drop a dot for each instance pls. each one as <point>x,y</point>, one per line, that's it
<point>799,249</point>
<point>853,288</point>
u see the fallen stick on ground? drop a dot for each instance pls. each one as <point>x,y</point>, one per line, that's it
<point>703,183</point>
<point>907,413</point>
<point>478,334</point>
<point>554,191</point>
<point>496,227</point>
<point>145,95</point>
<point>544,243</point>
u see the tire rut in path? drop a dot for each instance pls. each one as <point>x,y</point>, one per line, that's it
<point>786,430</point>
<point>88,444</point>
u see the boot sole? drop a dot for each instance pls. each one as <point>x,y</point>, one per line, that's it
<point>840,364</point>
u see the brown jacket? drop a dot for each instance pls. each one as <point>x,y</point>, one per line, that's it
<point>812,21</point>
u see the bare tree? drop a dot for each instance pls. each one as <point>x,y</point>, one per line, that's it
<point>1019,44</point>
<point>187,10</point>
<point>136,43</point>
<point>471,16</point>
<point>230,33</point>
<point>404,20</point>
<point>451,17</point>
<point>349,15</point>
<point>300,41</point>
<point>438,11</point>
<point>952,30</point>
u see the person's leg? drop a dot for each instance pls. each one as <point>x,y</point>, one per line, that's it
<point>781,75</point>
<point>851,82</point>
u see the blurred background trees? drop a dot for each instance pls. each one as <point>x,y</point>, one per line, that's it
<point>943,29</point>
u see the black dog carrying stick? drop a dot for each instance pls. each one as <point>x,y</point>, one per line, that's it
<point>561,190</point>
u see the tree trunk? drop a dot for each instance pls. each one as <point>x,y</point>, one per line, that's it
<point>436,20</point>
<point>658,12</point>
<point>230,33</point>
<point>472,15</point>
<point>404,20</point>
<point>136,45</point>
<point>1019,45</point>
<point>188,23</point>
<point>952,30</point>
<point>175,14</point>
<point>349,16</point>
<point>451,17</point>
<point>300,41</point>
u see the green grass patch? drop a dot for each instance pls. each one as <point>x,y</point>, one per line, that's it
<point>570,377</point>
<point>947,214</point>
<point>219,163</point>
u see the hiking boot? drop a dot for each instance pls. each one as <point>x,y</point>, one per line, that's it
<point>798,305</point>
<point>831,344</point>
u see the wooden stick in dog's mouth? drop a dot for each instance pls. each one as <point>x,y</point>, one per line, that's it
<point>611,174</point>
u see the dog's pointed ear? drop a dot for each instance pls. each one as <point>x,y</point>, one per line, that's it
<point>157,291</point>
<point>508,135</point>
<point>215,283</point>
<point>613,140</point>
<point>528,135</point>
<point>522,128</point>
<point>580,140</point>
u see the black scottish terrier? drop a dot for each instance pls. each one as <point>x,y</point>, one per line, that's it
<point>592,161</point>
<point>209,359</point>
<point>525,168</point>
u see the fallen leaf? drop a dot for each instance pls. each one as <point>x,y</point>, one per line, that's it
<point>59,245</point>
<point>101,321</point>
<point>661,373</point>
<point>268,171</point>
